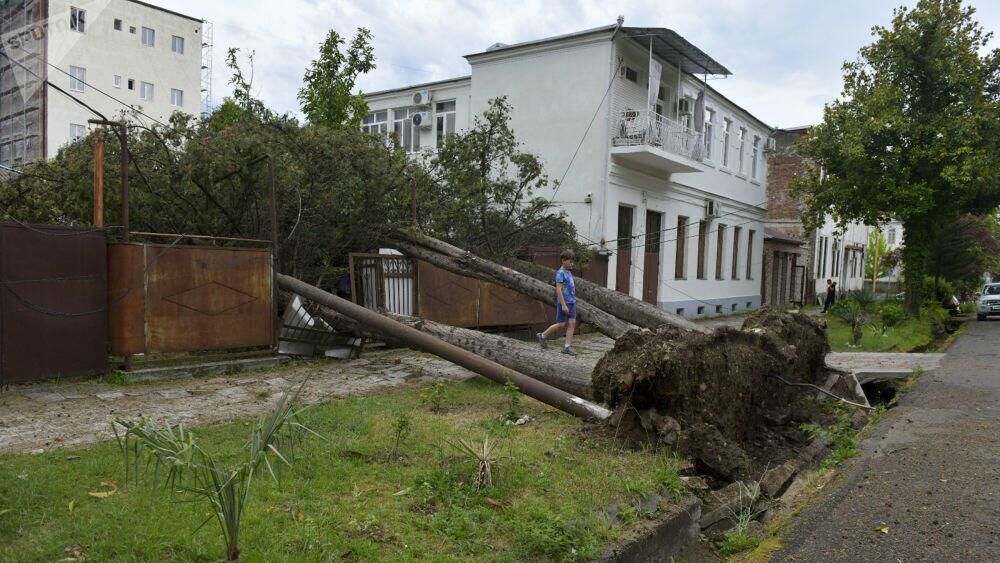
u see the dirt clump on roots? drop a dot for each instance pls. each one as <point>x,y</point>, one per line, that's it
<point>715,397</point>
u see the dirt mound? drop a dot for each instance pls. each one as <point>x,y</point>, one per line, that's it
<point>713,396</point>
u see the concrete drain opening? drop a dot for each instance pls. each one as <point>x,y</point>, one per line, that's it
<point>881,392</point>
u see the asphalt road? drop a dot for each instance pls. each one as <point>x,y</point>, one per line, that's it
<point>927,487</point>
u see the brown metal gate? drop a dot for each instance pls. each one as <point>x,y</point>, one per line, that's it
<point>190,298</point>
<point>53,306</point>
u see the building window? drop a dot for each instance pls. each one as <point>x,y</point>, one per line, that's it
<point>376,123</point>
<point>755,156</point>
<point>445,120</point>
<point>118,81</point>
<point>78,20</point>
<point>662,95</point>
<point>709,126</point>
<point>177,45</point>
<point>727,128</point>
<point>77,78</point>
<point>631,74</point>
<point>131,84</point>
<point>77,132</point>
<point>736,253</point>
<point>118,25</point>
<point>407,135</point>
<point>702,247</point>
<point>146,91</point>
<point>720,252</point>
<point>743,146</point>
<point>836,256</point>
<point>892,236</point>
<point>750,256</point>
<point>148,37</point>
<point>680,258</point>
<point>131,29</point>
<point>176,97</point>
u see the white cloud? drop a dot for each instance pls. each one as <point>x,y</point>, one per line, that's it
<point>785,55</point>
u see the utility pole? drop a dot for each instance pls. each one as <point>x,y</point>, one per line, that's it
<point>122,128</point>
<point>99,178</point>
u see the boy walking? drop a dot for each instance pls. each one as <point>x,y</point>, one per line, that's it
<point>565,304</point>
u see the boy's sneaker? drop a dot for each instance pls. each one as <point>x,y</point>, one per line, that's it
<point>541,340</point>
<point>568,351</point>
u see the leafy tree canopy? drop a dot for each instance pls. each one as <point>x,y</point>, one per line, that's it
<point>328,96</point>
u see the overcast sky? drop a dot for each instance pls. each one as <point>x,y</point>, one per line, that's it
<point>785,55</point>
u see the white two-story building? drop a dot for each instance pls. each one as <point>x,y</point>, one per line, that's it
<point>666,180</point>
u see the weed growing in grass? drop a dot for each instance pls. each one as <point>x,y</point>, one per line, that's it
<point>514,402</point>
<point>401,428</point>
<point>746,508</point>
<point>118,377</point>
<point>188,469</point>
<point>485,455</point>
<point>667,472</point>
<point>736,542</point>
<point>840,434</point>
<point>544,533</point>
<point>435,397</point>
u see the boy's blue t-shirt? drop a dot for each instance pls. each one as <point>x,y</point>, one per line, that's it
<point>565,277</point>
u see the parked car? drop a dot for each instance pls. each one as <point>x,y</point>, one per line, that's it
<point>989,302</point>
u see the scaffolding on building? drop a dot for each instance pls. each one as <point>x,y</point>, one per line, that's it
<point>206,66</point>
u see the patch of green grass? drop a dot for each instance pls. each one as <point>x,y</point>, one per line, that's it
<point>840,434</point>
<point>906,336</point>
<point>117,377</point>
<point>551,483</point>
<point>737,541</point>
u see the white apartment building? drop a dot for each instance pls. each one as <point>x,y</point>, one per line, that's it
<point>840,255</point>
<point>677,205</point>
<point>62,55</point>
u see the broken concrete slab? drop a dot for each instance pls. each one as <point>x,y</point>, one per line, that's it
<point>110,395</point>
<point>173,394</point>
<point>664,539</point>
<point>203,370</point>
<point>44,396</point>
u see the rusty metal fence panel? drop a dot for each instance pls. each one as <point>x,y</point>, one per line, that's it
<point>190,298</point>
<point>53,306</point>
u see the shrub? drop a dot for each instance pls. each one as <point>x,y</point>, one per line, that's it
<point>891,313</point>
<point>938,291</point>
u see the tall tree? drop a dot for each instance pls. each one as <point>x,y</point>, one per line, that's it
<point>328,96</point>
<point>916,134</point>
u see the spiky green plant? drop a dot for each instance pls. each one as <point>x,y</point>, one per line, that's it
<point>485,455</point>
<point>182,466</point>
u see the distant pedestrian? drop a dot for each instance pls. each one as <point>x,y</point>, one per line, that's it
<point>831,295</point>
<point>565,304</point>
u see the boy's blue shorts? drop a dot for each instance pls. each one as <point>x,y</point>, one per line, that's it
<point>562,317</point>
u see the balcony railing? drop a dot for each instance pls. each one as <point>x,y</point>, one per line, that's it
<point>648,128</point>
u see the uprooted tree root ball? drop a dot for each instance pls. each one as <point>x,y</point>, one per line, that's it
<point>716,396</point>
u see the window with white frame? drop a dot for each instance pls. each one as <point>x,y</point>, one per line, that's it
<point>78,20</point>
<point>177,45</point>
<point>709,130</point>
<point>743,147</point>
<point>407,135</point>
<point>376,123</point>
<point>118,81</point>
<point>727,131</point>
<point>662,100</point>
<point>148,37</point>
<point>892,236</point>
<point>77,78</point>
<point>755,156</point>
<point>146,91</point>
<point>176,97</point>
<point>444,120</point>
<point>77,132</point>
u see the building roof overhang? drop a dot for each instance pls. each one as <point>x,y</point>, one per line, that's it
<point>671,47</point>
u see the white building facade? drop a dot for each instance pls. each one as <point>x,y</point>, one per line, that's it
<point>677,205</point>
<point>840,256</point>
<point>110,55</point>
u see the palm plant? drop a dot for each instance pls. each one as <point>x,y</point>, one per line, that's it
<point>486,455</point>
<point>186,468</point>
<point>853,313</point>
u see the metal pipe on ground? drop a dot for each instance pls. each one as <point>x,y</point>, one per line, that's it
<point>535,389</point>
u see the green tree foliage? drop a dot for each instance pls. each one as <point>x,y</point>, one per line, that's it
<point>877,246</point>
<point>916,134</point>
<point>487,198</point>
<point>328,96</point>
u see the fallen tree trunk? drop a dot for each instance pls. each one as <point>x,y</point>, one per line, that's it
<point>412,337</point>
<point>572,375</point>
<point>467,264</point>
<point>623,306</point>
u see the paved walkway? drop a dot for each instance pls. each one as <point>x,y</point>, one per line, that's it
<point>928,485</point>
<point>42,416</point>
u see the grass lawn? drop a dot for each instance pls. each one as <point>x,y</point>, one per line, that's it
<point>556,478</point>
<point>904,337</point>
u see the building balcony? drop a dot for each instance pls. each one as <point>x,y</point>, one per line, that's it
<point>650,142</point>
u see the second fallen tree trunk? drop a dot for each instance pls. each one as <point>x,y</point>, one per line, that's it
<point>570,374</point>
<point>470,265</point>
<point>412,337</point>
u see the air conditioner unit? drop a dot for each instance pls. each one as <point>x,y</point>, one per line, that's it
<point>712,209</point>
<point>421,119</point>
<point>422,98</point>
<point>685,105</point>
